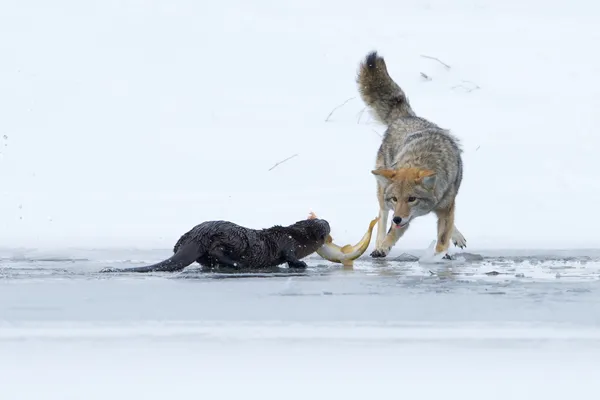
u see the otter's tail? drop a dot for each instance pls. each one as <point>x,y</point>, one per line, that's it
<point>183,257</point>
<point>379,91</point>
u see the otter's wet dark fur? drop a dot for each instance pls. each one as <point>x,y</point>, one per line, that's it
<point>225,244</point>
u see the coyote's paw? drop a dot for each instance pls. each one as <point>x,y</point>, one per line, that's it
<point>458,239</point>
<point>379,253</point>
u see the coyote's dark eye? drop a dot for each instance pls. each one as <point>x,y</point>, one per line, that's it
<point>412,199</point>
<point>393,198</point>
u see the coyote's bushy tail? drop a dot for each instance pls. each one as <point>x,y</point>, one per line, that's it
<point>379,91</point>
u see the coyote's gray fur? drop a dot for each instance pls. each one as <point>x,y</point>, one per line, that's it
<point>418,167</point>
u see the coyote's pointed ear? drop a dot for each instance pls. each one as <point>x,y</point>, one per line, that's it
<point>384,176</point>
<point>426,179</point>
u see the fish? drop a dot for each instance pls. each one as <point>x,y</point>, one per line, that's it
<point>345,255</point>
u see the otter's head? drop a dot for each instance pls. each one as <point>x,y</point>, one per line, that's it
<point>310,233</point>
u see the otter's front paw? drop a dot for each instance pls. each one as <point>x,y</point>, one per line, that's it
<point>379,253</point>
<point>297,265</point>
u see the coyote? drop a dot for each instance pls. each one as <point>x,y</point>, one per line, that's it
<point>418,166</point>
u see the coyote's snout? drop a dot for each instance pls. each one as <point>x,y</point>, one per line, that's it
<point>418,167</point>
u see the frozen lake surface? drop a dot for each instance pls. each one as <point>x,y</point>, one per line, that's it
<point>489,286</point>
<point>526,325</point>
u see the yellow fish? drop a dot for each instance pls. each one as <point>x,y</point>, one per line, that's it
<point>348,253</point>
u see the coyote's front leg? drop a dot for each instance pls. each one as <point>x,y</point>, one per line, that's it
<point>393,235</point>
<point>381,224</point>
<point>445,228</point>
<point>385,240</point>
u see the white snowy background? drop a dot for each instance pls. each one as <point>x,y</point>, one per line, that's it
<point>125,123</point>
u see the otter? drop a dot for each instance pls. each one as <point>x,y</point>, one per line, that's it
<point>214,244</point>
